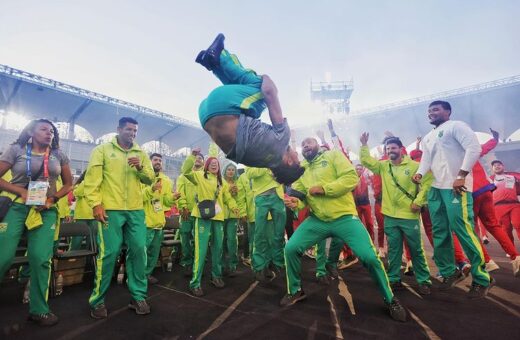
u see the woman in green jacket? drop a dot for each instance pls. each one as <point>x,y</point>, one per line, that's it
<point>209,187</point>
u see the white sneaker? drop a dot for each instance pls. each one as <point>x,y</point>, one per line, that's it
<point>381,253</point>
<point>491,265</point>
<point>516,266</point>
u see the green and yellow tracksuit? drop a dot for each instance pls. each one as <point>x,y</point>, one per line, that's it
<point>268,245</point>
<point>246,202</point>
<point>230,252</point>
<point>39,248</point>
<point>111,182</point>
<point>400,221</point>
<point>206,189</point>
<point>186,200</point>
<point>156,203</point>
<point>62,206</point>
<point>333,214</point>
<point>82,213</point>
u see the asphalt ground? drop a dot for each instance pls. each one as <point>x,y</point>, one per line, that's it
<point>349,308</point>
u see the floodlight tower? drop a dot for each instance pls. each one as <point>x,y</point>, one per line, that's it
<point>334,96</point>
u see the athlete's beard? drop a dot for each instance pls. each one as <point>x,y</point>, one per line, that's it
<point>393,156</point>
<point>311,156</point>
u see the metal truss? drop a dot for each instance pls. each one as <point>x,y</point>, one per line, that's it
<point>53,84</point>
<point>445,94</point>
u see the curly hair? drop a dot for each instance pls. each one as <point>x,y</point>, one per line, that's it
<point>25,135</point>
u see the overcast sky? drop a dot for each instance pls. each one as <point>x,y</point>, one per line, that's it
<point>144,51</point>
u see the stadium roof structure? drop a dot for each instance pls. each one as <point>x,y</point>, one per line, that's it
<point>494,104</point>
<point>35,96</point>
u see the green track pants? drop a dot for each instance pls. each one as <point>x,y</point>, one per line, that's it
<point>186,232</point>
<point>267,249</point>
<point>351,231</point>
<point>40,242</point>
<point>204,230</point>
<point>128,227</point>
<point>449,213</point>
<point>230,253</point>
<point>241,92</point>
<point>154,238</point>
<point>397,229</point>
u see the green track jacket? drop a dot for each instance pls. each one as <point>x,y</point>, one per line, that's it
<point>334,172</point>
<point>157,202</point>
<point>112,182</point>
<point>206,189</point>
<point>395,203</point>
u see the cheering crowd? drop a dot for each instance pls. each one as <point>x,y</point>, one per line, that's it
<point>440,187</point>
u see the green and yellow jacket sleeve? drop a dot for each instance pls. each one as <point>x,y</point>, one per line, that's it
<point>368,161</point>
<point>63,203</point>
<point>345,181</point>
<point>395,202</point>
<point>82,211</point>
<point>263,180</point>
<point>112,182</point>
<point>245,197</point>
<point>213,150</point>
<point>205,188</point>
<point>332,171</point>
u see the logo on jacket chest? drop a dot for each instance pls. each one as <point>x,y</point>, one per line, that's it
<point>440,134</point>
<point>324,164</point>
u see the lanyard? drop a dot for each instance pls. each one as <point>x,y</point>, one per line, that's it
<point>28,159</point>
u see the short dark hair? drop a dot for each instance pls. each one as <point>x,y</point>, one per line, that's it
<point>496,161</point>
<point>124,120</point>
<point>393,140</point>
<point>155,154</point>
<point>287,174</point>
<point>445,105</point>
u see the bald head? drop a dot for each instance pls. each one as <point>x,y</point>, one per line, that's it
<point>310,148</point>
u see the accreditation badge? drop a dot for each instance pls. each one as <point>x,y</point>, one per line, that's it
<point>37,193</point>
<point>157,206</point>
<point>218,209</point>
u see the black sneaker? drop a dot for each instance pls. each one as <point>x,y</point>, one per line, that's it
<point>218,282</point>
<point>289,300</point>
<point>203,60</point>
<point>396,286</point>
<point>99,311</point>
<point>214,50</point>
<point>197,291</point>
<point>450,281</point>
<point>188,271</point>
<point>424,289</point>
<point>152,280</point>
<point>323,280</point>
<point>45,319</point>
<point>397,311</point>
<point>210,58</point>
<point>477,291</point>
<point>332,270</point>
<point>141,307</point>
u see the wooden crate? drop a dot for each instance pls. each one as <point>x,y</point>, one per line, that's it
<point>72,270</point>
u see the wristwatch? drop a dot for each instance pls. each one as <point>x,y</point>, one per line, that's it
<point>461,177</point>
<point>54,199</point>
